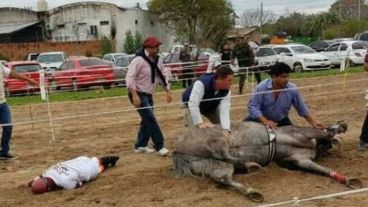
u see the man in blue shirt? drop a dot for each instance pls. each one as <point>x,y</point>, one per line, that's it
<point>272,100</point>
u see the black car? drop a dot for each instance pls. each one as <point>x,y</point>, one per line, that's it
<point>321,45</point>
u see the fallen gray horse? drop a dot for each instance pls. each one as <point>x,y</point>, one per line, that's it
<point>209,152</point>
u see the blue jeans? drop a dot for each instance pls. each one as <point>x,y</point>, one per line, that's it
<point>5,118</point>
<point>149,127</point>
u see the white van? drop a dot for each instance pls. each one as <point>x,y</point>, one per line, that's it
<point>51,60</point>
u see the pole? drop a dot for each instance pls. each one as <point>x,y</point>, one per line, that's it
<point>358,9</point>
<point>261,20</point>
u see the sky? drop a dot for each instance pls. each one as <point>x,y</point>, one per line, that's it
<point>277,6</point>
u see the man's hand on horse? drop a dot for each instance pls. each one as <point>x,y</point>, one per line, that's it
<point>318,125</point>
<point>271,124</point>
<point>205,125</point>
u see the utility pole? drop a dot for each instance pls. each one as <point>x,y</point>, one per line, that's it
<point>340,8</point>
<point>261,20</point>
<point>358,9</point>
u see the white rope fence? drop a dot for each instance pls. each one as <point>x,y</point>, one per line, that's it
<point>297,201</point>
<point>165,106</point>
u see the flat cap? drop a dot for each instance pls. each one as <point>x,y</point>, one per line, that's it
<point>151,42</point>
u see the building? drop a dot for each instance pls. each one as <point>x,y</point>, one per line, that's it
<point>20,25</point>
<point>85,21</point>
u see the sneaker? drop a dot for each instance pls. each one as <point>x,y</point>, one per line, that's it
<point>363,146</point>
<point>6,156</point>
<point>163,151</point>
<point>143,150</point>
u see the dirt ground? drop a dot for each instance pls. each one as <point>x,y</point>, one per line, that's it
<point>146,179</point>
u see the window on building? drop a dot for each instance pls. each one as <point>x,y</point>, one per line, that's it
<point>82,23</point>
<point>136,21</point>
<point>104,23</point>
<point>60,26</point>
<point>93,30</point>
<point>152,23</point>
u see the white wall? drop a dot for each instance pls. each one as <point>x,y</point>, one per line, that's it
<point>147,25</point>
<point>74,23</point>
<point>15,15</point>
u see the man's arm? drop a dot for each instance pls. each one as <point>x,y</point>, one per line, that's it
<point>224,111</point>
<point>131,82</point>
<point>195,99</point>
<point>14,74</point>
<point>254,109</point>
<point>303,111</point>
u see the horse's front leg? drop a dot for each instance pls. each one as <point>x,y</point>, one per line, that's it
<point>309,165</point>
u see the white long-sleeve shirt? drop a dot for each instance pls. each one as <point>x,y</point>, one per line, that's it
<point>195,99</point>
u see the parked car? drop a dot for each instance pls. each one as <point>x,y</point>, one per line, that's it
<point>112,57</point>
<point>343,39</point>
<point>301,57</point>
<point>83,72</point>
<point>174,65</point>
<point>351,51</point>
<point>51,61</point>
<point>265,55</point>
<point>363,36</point>
<point>206,60</point>
<point>321,45</point>
<point>28,68</point>
<point>32,57</point>
<point>121,69</point>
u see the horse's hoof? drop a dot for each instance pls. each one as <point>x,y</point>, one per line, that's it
<point>253,167</point>
<point>354,183</point>
<point>254,195</point>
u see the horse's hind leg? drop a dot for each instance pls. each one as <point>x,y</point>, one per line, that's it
<point>224,177</point>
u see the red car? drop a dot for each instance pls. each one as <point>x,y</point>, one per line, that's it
<point>83,72</point>
<point>28,68</point>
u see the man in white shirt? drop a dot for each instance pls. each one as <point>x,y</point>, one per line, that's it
<point>5,115</point>
<point>71,174</point>
<point>210,96</point>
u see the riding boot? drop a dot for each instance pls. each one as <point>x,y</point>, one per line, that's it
<point>109,161</point>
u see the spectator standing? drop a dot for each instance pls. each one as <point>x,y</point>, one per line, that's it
<point>144,72</point>
<point>5,114</point>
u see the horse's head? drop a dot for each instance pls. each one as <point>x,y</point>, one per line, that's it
<point>334,140</point>
<point>338,128</point>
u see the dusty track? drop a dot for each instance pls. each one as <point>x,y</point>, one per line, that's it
<point>146,180</point>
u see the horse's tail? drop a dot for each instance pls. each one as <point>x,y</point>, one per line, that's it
<point>182,164</point>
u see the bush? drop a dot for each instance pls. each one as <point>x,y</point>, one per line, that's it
<point>105,46</point>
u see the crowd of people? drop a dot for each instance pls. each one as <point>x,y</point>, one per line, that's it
<point>208,96</point>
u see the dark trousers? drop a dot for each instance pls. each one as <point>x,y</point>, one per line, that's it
<point>243,76</point>
<point>5,118</point>
<point>284,122</point>
<point>364,134</point>
<point>149,127</point>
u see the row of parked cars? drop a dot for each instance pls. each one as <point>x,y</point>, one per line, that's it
<point>77,72</point>
<point>302,57</point>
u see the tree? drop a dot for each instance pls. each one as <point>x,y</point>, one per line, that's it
<point>138,41</point>
<point>132,44</point>
<point>105,46</point>
<point>129,44</point>
<point>251,17</point>
<point>196,21</point>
